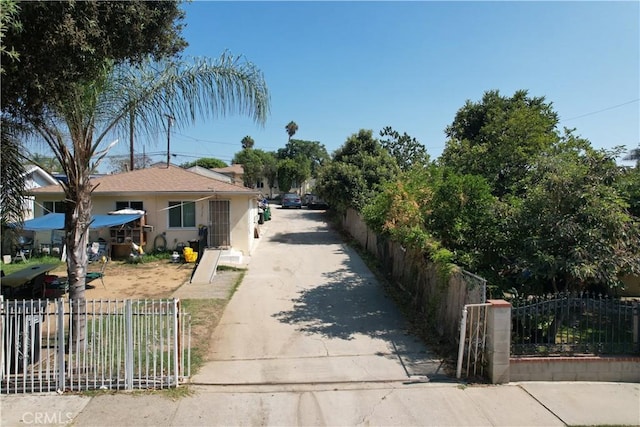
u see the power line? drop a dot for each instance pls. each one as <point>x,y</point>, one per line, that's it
<point>604,109</point>
<point>206,140</point>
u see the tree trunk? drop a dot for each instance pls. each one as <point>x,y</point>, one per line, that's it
<point>77,220</point>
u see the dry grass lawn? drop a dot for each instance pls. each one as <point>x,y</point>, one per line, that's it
<point>155,279</point>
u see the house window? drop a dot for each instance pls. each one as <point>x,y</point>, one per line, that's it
<point>52,207</point>
<point>182,214</point>
<point>129,205</point>
<point>260,184</point>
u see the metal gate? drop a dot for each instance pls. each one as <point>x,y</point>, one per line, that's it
<point>219,224</point>
<point>473,332</point>
<point>72,345</point>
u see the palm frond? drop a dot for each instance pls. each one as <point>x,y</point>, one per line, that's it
<point>12,189</point>
<point>185,90</point>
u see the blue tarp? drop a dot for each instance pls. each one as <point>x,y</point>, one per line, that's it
<point>55,221</point>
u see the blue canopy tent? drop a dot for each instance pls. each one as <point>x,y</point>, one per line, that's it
<point>55,221</point>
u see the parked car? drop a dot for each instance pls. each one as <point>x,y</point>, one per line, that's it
<point>291,200</point>
<point>315,202</point>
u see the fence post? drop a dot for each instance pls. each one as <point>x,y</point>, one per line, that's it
<point>128,354</point>
<point>498,340</point>
<point>463,335</point>
<point>176,340</point>
<point>62,376</point>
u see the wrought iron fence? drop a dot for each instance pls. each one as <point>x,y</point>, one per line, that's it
<point>60,345</point>
<point>574,324</point>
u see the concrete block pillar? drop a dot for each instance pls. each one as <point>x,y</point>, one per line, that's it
<point>498,340</point>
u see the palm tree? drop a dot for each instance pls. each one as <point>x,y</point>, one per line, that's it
<point>12,190</point>
<point>77,128</point>
<point>291,128</point>
<point>247,142</point>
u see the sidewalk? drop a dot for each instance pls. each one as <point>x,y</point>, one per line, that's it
<point>523,404</point>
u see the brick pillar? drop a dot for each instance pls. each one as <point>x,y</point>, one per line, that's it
<point>498,340</point>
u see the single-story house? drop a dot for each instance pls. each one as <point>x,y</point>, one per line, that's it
<point>35,177</point>
<point>179,207</point>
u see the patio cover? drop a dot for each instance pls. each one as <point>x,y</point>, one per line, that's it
<point>55,221</point>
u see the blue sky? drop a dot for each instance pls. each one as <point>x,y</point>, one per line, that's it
<point>337,67</point>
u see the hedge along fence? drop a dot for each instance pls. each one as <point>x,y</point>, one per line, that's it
<point>440,298</point>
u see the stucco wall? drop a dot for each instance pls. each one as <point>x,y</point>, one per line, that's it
<point>243,214</point>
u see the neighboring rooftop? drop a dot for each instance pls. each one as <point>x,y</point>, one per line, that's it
<point>158,180</point>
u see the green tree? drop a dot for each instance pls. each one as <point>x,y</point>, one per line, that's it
<point>9,11</point>
<point>186,90</point>
<point>292,172</point>
<point>291,129</point>
<point>498,137</point>
<point>119,165</point>
<point>446,215</point>
<point>270,170</point>
<point>404,148</point>
<point>56,44</point>
<point>247,142</point>
<point>252,166</point>
<point>629,188</point>
<point>573,229</point>
<point>205,162</point>
<point>314,151</point>
<point>48,163</point>
<point>461,216</point>
<point>633,155</point>
<point>356,173</point>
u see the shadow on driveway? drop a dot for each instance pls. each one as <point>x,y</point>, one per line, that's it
<point>348,304</point>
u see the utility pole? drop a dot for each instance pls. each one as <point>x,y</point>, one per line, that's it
<point>131,129</point>
<point>169,118</point>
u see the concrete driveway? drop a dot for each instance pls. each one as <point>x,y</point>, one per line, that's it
<point>309,311</point>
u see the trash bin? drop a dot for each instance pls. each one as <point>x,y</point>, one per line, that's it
<point>22,332</point>
<point>260,217</point>
<point>267,214</point>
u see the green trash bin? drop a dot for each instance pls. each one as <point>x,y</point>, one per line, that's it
<point>267,214</point>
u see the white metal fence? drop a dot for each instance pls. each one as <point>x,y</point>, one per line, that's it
<point>73,345</point>
<point>473,331</point>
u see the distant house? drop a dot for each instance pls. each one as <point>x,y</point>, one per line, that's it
<point>211,174</point>
<point>179,206</point>
<point>35,177</point>
<point>235,172</point>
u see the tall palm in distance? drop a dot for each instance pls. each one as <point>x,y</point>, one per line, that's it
<point>247,142</point>
<point>291,128</point>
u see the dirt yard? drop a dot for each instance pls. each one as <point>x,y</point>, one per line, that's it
<point>157,279</point>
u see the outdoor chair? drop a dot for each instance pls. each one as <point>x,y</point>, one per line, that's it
<point>96,251</point>
<point>93,275</point>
